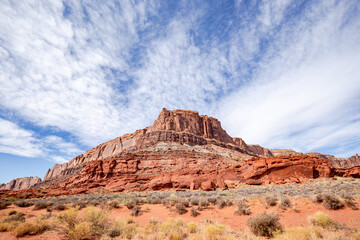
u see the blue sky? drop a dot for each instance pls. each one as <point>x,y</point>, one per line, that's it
<point>74,74</point>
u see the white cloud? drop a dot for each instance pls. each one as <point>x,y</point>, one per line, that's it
<point>17,141</point>
<point>22,142</point>
<point>305,91</point>
<point>51,70</point>
<point>107,69</point>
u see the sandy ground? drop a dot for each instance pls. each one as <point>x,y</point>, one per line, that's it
<point>288,218</point>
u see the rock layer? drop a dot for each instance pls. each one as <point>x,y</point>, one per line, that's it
<point>173,130</point>
<point>20,183</point>
<point>128,173</point>
<point>185,150</point>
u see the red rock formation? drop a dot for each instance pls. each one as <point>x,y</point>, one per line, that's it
<point>172,130</point>
<point>183,149</point>
<point>255,149</point>
<point>127,173</point>
<point>21,183</point>
<point>349,162</point>
<point>284,152</point>
<point>285,169</point>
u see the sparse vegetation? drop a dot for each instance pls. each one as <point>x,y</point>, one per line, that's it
<point>271,200</point>
<point>74,222</point>
<point>242,208</point>
<point>180,208</point>
<point>323,220</point>
<point>23,203</point>
<point>332,202</point>
<point>42,205</point>
<point>194,212</point>
<point>4,204</point>
<point>264,224</point>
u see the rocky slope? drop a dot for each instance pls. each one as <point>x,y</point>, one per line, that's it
<point>176,139</point>
<point>21,183</point>
<point>185,150</point>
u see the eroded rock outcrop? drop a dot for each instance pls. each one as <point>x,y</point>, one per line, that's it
<point>349,162</point>
<point>185,150</point>
<point>21,183</point>
<point>182,132</point>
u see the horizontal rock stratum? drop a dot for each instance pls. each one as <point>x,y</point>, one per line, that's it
<point>185,150</point>
<point>20,183</point>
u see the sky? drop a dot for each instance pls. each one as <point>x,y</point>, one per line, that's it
<point>74,74</point>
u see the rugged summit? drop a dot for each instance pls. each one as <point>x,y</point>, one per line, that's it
<point>21,183</point>
<point>185,150</point>
<point>176,139</point>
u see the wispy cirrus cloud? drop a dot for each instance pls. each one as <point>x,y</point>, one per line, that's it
<point>305,91</point>
<point>21,142</point>
<point>282,73</point>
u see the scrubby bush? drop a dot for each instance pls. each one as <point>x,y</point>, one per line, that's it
<point>284,202</point>
<point>264,224</point>
<point>212,200</point>
<point>203,203</point>
<point>194,201</point>
<point>80,231</point>
<point>136,211</point>
<point>97,218</point>
<point>4,204</point>
<point>221,204</point>
<point>69,218</point>
<point>42,205</point>
<point>23,203</point>
<point>323,220</point>
<point>243,208</point>
<point>318,198</point>
<point>156,200</point>
<point>130,204</point>
<point>114,204</point>
<point>214,232</point>
<point>271,200</point>
<point>59,207</point>
<point>17,217</point>
<point>194,213</point>
<point>349,201</point>
<point>192,227</point>
<point>32,228</point>
<point>180,208</point>
<point>332,202</point>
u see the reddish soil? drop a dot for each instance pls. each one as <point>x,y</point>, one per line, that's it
<point>288,218</point>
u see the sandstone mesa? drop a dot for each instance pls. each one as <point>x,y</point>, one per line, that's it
<point>183,150</point>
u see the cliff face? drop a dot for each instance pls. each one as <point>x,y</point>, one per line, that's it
<point>182,131</point>
<point>20,183</point>
<point>349,162</point>
<point>183,149</point>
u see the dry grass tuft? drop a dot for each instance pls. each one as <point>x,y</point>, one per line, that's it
<point>264,224</point>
